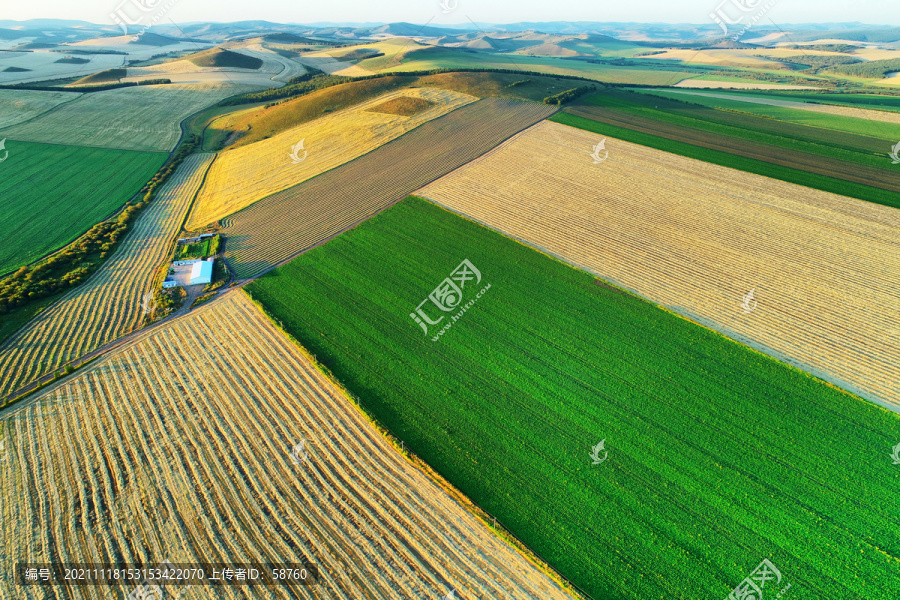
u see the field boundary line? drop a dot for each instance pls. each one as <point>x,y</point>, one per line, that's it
<point>48,111</point>
<point>382,209</point>
<point>187,213</point>
<point>255,202</point>
<point>487,519</point>
<point>51,381</point>
<point>808,371</point>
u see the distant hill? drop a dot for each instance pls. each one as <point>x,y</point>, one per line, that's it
<point>216,57</point>
<point>288,38</point>
<point>107,76</point>
<point>153,39</point>
<point>874,35</point>
<point>10,34</point>
<point>408,30</point>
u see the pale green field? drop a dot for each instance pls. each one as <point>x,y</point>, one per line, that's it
<point>17,106</point>
<point>737,102</point>
<point>132,118</point>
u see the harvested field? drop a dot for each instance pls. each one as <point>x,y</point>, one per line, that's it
<point>243,175</point>
<point>696,238</point>
<point>51,194</point>
<point>282,225</point>
<point>178,447</point>
<point>132,118</point>
<point>108,305</point>
<point>21,105</point>
<point>185,72</point>
<point>333,66</point>
<point>284,68</point>
<point>43,65</point>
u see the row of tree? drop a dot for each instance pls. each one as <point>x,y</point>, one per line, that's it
<point>70,267</point>
<point>568,95</point>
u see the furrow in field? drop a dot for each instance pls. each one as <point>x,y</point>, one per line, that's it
<point>697,238</point>
<point>377,471</point>
<point>284,224</point>
<point>197,419</point>
<point>108,305</point>
<point>243,175</point>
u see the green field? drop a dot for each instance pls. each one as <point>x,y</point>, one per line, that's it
<point>841,166</point>
<point>449,58</point>
<point>718,456</point>
<point>873,101</point>
<point>790,115</point>
<point>50,195</point>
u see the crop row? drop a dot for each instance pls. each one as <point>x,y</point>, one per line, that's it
<point>243,175</point>
<point>280,226</point>
<point>697,238</point>
<point>179,446</point>
<point>718,456</point>
<point>131,118</point>
<point>109,304</point>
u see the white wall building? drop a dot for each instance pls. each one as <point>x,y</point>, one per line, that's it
<point>201,272</point>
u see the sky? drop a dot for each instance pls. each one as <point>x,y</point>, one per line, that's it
<point>875,12</point>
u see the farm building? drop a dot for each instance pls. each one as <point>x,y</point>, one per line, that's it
<point>169,283</point>
<point>201,272</point>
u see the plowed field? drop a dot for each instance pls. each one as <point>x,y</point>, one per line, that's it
<point>284,224</point>
<point>242,176</point>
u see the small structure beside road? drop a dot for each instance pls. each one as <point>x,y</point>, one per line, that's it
<point>202,272</point>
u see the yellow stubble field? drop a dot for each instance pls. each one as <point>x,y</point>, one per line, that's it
<point>181,446</point>
<point>248,173</point>
<point>698,238</point>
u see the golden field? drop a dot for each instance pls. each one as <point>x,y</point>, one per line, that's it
<point>698,238</point>
<point>178,446</point>
<point>243,175</point>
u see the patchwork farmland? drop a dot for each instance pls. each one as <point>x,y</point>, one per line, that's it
<point>108,305</point>
<point>260,236</point>
<point>718,456</point>
<point>243,175</point>
<point>132,118</point>
<point>456,312</point>
<point>194,425</point>
<point>825,159</point>
<point>829,109</point>
<point>697,238</point>
<point>50,194</point>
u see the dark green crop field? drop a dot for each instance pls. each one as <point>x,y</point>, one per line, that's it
<point>836,162</point>
<point>51,194</point>
<point>718,456</point>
